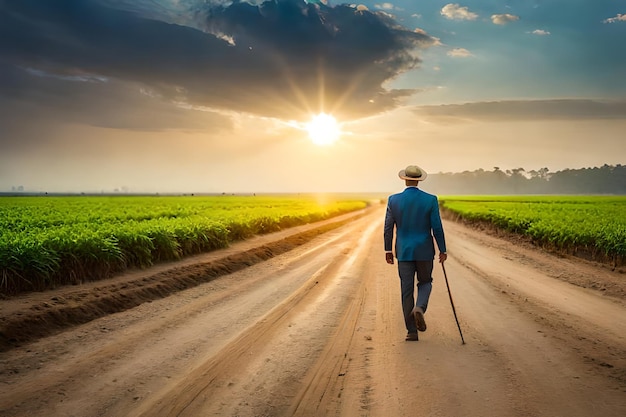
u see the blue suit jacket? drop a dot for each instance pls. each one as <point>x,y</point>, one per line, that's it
<point>415,215</point>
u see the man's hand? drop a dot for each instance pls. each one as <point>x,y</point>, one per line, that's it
<point>389,257</point>
<point>442,257</point>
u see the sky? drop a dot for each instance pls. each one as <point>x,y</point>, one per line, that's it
<point>212,96</point>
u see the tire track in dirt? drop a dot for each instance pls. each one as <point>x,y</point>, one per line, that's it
<point>178,399</point>
<point>572,318</point>
<point>127,357</point>
<point>196,394</point>
<point>323,383</point>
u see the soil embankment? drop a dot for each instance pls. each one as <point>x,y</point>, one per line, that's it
<point>29,317</point>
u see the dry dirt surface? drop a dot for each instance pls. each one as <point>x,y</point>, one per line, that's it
<point>312,326</point>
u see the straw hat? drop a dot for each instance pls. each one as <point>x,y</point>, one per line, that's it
<point>413,172</point>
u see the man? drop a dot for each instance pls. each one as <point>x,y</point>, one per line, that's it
<point>415,216</point>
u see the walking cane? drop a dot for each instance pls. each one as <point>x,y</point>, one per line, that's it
<point>452,303</point>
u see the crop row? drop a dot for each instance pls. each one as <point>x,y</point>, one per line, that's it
<point>595,226</point>
<point>50,241</point>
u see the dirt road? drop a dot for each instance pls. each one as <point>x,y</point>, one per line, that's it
<point>317,331</point>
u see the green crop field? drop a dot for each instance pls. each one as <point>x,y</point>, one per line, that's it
<point>592,225</point>
<point>49,241</point>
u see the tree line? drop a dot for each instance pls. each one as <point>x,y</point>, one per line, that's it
<point>607,179</point>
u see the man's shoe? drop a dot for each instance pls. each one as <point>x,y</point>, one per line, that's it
<point>418,313</point>
<point>412,337</point>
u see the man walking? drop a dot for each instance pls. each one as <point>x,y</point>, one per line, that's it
<point>415,216</point>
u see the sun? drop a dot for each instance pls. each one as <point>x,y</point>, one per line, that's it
<point>323,129</point>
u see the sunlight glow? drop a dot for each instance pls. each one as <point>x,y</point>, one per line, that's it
<point>323,129</point>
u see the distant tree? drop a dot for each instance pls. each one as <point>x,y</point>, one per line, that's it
<point>518,180</point>
<point>606,179</point>
<point>518,171</point>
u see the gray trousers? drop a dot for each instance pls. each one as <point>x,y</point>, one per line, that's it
<point>408,271</point>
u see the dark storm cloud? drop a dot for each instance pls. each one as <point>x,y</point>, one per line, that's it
<point>568,109</point>
<point>34,101</point>
<point>275,58</point>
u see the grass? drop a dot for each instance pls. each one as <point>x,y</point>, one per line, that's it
<point>594,225</point>
<point>46,242</point>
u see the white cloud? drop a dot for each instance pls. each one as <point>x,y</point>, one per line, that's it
<point>540,32</point>
<point>227,38</point>
<point>385,6</point>
<point>436,41</point>
<point>619,18</point>
<point>459,53</point>
<point>416,15</point>
<point>503,19</point>
<point>456,12</point>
